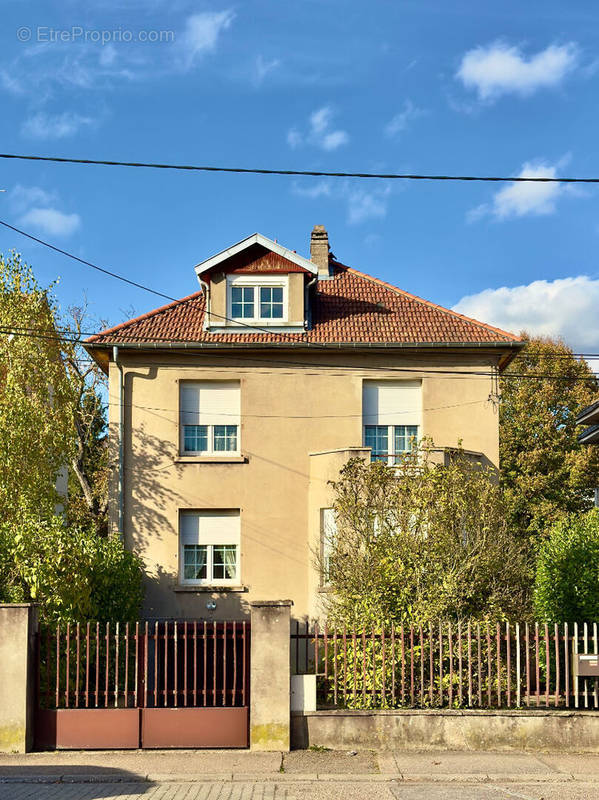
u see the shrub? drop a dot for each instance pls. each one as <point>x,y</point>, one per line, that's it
<point>567,574</point>
<point>426,543</point>
<point>71,573</point>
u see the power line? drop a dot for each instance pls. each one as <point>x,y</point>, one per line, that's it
<point>116,275</point>
<point>83,261</point>
<point>297,172</point>
<point>414,371</point>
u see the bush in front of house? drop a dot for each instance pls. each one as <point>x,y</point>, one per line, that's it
<point>70,572</point>
<point>421,543</point>
<point>567,573</point>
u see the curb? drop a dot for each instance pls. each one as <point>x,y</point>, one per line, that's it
<point>282,778</point>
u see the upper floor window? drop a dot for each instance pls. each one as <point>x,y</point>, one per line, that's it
<point>257,299</point>
<point>391,418</point>
<point>210,417</point>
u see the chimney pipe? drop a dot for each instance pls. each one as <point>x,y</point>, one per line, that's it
<point>319,250</point>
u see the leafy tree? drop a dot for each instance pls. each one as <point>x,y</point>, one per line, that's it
<point>545,472</point>
<point>432,543</point>
<point>567,574</point>
<point>88,467</point>
<point>72,573</point>
<point>52,414</point>
<point>36,397</point>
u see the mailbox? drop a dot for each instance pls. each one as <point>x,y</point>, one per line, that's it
<point>585,665</point>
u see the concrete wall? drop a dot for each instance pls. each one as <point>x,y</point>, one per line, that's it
<point>17,630</point>
<point>536,730</point>
<point>293,404</point>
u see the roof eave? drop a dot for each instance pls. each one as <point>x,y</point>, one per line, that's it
<point>590,414</point>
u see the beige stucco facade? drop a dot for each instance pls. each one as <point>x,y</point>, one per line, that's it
<point>301,419</point>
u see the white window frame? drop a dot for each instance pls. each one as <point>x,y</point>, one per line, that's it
<point>258,282</point>
<point>392,454</point>
<point>210,451</point>
<point>210,580</point>
<point>384,414</point>
<point>328,530</point>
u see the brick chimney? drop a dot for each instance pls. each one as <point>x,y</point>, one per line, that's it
<point>319,250</point>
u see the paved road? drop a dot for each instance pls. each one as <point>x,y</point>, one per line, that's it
<point>308,790</point>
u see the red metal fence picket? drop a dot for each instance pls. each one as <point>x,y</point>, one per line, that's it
<point>463,665</point>
<point>162,664</point>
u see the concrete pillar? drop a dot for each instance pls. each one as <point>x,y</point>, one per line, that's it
<point>18,625</point>
<point>270,675</point>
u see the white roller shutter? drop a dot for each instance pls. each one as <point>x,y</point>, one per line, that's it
<point>210,527</point>
<point>210,403</point>
<point>392,402</point>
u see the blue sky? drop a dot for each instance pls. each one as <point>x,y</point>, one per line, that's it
<point>418,86</point>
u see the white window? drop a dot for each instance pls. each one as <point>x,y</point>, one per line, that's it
<point>328,534</point>
<point>391,418</point>
<point>257,299</point>
<point>209,551</point>
<point>210,417</point>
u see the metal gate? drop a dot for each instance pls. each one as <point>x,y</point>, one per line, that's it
<point>159,684</point>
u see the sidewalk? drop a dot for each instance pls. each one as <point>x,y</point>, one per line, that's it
<point>188,766</point>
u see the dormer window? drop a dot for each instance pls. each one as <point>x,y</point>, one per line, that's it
<point>261,299</point>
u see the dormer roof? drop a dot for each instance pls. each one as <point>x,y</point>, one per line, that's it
<point>294,260</point>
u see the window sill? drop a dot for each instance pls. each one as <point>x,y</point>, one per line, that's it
<point>213,589</point>
<point>224,459</point>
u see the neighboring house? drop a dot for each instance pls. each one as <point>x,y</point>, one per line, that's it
<point>233,408</point>
<point>589,416</point>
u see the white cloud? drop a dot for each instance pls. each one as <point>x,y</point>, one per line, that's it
<point>319,189</point>
<point>37,70</point>
<point>262,67</point>
<point>202,32</point>
<point>334,139</point>
<point>565,307</point>
<point>525,198</point>
<point>37,209</point>
<point>50,220</point>
<point>320,132</point>
<point>400,122</point>
<point>361,204</point>
<point>499,68</point>
<point>23,197</point>
<point>54,126</point>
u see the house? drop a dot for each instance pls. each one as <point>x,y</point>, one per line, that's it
<point>589,416</point>
<point>232,409</point>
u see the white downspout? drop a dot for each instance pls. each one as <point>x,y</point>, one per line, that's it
<point>121,428</point>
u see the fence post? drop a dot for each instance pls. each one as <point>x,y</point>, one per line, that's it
<point>18,626</point>
<point>270,675</point>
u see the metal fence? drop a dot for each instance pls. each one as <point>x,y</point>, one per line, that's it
<point>462,665</point>
<point>161,664</point>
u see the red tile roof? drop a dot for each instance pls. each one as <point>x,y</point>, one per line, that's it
<point>351,307</point>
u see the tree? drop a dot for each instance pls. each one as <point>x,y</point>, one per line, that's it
<point>567,575</point>
<point>71,573</point>
<point>36,396</point>
<point>429,543</point>
<point>545,472</point>
<point>88,467</point>
<point>51,411</point>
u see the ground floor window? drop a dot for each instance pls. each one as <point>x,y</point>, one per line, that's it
<point>209,547</point>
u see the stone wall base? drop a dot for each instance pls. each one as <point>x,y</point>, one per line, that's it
<point>532,730</point>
